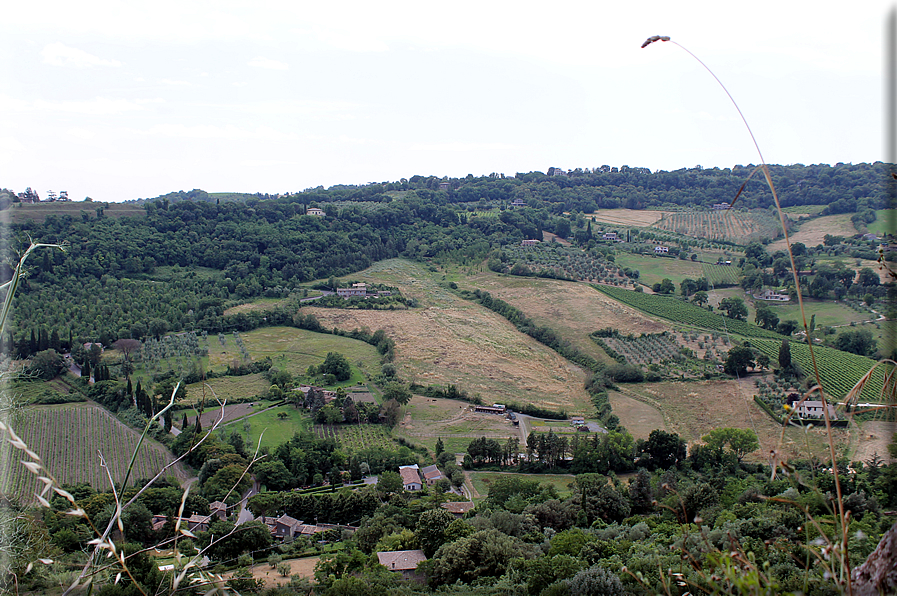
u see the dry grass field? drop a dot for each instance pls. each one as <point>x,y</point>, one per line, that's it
<point>448,340</point>
<point>453,421</point>
<point>639,417</point>
<point>693,409</point>
<point>304,567</point>
<point>812,232</point>
<point>572,309</point>
<point>626,217</point>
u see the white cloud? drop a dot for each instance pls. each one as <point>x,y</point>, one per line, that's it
<point>267,63</point>
<point>464,147</point>
<point>231,132</point>
<point>99,106</point>
<point>58,54</point>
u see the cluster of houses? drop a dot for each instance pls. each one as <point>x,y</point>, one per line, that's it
<point>414,477</point>
<point>283,527</point>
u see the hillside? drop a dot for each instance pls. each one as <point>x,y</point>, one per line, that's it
<point>71,439</point>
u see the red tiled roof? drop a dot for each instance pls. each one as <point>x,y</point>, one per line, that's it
<point>401,560</point>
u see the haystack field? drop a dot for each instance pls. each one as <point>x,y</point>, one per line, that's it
<point>473,348</point>
<point>693,409</point>
<point>813,231</point>
<point>626,217</point>
<point>572,309</point>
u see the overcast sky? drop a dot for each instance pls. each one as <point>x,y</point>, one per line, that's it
<point>120,100</point>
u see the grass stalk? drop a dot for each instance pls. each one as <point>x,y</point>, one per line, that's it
<point>844,572</point>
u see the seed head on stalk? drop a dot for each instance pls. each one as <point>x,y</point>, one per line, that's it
<point>819,386</point>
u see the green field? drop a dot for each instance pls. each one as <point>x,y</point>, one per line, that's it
<point>653,269</point>
<point>276,430</point>
<point>884,222</point>
<point>561,482</point>
<point>227,388</point>
<point>827,312</point>
<point>21,213</point>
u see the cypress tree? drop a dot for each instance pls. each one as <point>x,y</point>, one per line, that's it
<point>785,355</point>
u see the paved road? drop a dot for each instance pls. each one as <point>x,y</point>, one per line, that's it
<point>312,299</point>
<point>245,513</point>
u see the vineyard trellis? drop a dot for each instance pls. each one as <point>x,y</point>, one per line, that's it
<point>71,436</point>
<point>687,313</point>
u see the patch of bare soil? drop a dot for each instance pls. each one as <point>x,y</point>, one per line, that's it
<point>304,567</point>
<point>875,436</point>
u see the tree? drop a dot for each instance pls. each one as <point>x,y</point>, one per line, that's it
<point>766,317</point>
<point>735,308</point>
<point>665,286</point>
<point>336,364</point>
<point>738,360</point>
<point>740,441</point>
<point>430,529</point>
<point>688,287</point>
<point>47,364</point>
<point>397,391</point>
<point>595,581</point>
<point>700,298</point>
<point>785,355</point>
<point>440,446</point>
<point>389,482</point>
<point>856,341</point>
<point>127,347</point>
<point>392,411</point>
<point>787,327</point>
<point>662,450</point>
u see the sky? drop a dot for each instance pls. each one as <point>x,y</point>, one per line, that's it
<point>123,100</point>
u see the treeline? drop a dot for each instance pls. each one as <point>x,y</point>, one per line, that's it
<point>859,186</point>
<point>542,334</point>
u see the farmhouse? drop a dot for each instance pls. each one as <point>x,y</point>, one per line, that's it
<point>771,296</point>
<point>444,186</point>
<point>659,250</point>
<point>431,475</point>
<point>286,527</point>
<point>410,477</point>
<point>813,409</point>
<point>529,242</point>
<point>404,562</point>
<point>218,509</point>
<point>359,289</point>
<point>493,409</point>
<point>721,206</point>
<point>518,203</point>
<point>315,211</point>
<point>609,236</point>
